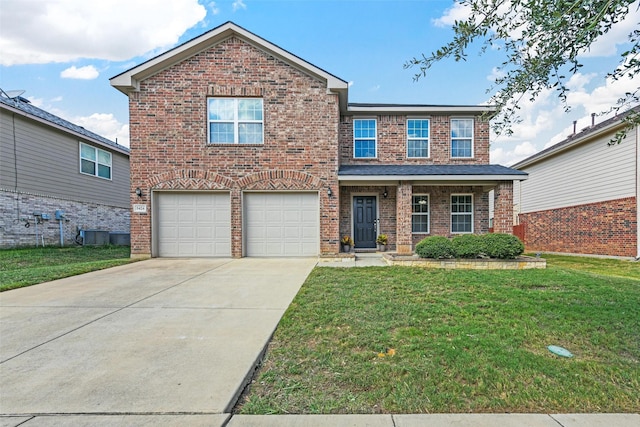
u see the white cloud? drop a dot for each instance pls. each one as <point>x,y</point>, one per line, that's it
<point>458,12</point>
<point>606,44</point>
<point>88,72</point>
<point>507,157</point>
<point>213,8</point>
<point>36,32</point>
<point>239,4</point>
<point>105,125</point>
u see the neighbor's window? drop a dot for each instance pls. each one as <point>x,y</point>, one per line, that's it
<point>417,138</point>
<point>94,161</point>
<point>235,121</point>
<point>462,213</point>
<point>420,213</point>
<point>364,138</point>
<point>462,138</point>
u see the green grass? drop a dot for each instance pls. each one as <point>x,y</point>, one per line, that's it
<point>464,341</point>
<point>30,266</point>
<point>601,266</point>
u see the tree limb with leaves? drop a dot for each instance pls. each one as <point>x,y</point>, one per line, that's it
<point>542,42</point>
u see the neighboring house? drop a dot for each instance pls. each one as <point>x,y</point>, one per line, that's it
<point>582,194</point>
<point>50,165</point>
<point>241,148</point>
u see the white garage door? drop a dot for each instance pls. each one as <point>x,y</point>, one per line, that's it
<point>193,224</point>
<point>281,224</point>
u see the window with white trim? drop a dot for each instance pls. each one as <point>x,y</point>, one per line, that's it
<point>461,138</point>
<point>235,121</point>
<point>417,138</point>
<point>364,138</point>
<point>462,213</point>
<point>94,161</point>
<point>420,213</point>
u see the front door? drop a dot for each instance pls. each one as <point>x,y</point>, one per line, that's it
<point>364,221</point>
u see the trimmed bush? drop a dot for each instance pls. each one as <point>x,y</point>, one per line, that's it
<point>435,247</point>
<point>468,246</point>
<point>502,246</point>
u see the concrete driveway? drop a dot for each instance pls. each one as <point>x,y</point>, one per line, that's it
<point>166,338</point>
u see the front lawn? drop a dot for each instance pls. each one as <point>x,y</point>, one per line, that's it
<point>29,266</point>
<point>409,340</point>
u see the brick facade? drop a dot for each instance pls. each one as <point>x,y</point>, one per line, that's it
<point>392,141</point>
<point>16,207</point>
<point>308,135</point>
<point>440,211</point>
<point>169,135</point>
<point>605,228</point>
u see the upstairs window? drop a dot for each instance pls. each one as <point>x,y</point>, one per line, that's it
<point>235,121</point>
<point>364,138</point>
<point>420,213</point>
<point>461,138</point>
<point>94,161</point>
<point>417,138</point>
<point>462,213</point>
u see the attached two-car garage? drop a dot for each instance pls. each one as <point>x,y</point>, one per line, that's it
<point>198,224</point>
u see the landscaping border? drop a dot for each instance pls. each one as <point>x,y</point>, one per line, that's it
<point>519,263</point>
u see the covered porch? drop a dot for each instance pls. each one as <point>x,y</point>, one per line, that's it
<point>411,202</point>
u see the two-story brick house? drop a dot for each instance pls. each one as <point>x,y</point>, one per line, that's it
<point>240,148</point>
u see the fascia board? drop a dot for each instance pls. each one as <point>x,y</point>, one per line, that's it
<point>421,109</point>
<point>65,130</point>
<point>429,178</point>
<point>129,80</point>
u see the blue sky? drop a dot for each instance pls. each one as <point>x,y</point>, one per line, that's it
<point>63,52</point>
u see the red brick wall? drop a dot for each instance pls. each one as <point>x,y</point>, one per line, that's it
<point>392,141</point>
<point>503,208</point>
<point>605,228</point>
<point>440,204</point>
<point>169,135</point>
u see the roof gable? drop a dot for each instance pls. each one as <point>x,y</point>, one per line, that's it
<point>129,80</point>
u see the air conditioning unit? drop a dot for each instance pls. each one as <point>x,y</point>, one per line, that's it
<point>95,238</point>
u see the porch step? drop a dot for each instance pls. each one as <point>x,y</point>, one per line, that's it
<point>365,250</point>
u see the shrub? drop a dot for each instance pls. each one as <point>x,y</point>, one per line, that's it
<point>435,247</point>
<point>502,246</point>
<point>468,246</point>
<point>382,239</point>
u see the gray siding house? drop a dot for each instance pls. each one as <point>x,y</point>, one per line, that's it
<point>49,165</point>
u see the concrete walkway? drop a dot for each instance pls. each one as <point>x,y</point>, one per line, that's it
<point>171,343</point>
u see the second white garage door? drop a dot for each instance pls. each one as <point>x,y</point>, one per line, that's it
<point>281,224</point>
<point>196,224</point>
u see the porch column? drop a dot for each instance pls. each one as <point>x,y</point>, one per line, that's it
<point>503,208</point>
<point>404,243</point>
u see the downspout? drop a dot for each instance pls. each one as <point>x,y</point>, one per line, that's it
<point>637,192</point>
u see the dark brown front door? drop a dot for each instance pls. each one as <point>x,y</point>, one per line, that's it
<point>364,221</point>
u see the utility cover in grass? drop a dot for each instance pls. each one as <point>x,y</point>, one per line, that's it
<point>559,351</point>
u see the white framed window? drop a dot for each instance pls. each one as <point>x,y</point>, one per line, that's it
<point>417,138</point>
<point>235,121</point>
<point>420,213</point>
<point>94,161</point>
<point>364,138</point>
<point>462,213</point>
<point>462,138</point>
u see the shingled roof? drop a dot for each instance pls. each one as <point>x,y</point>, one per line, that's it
<point>24,107</point>
<point>491,172</point>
